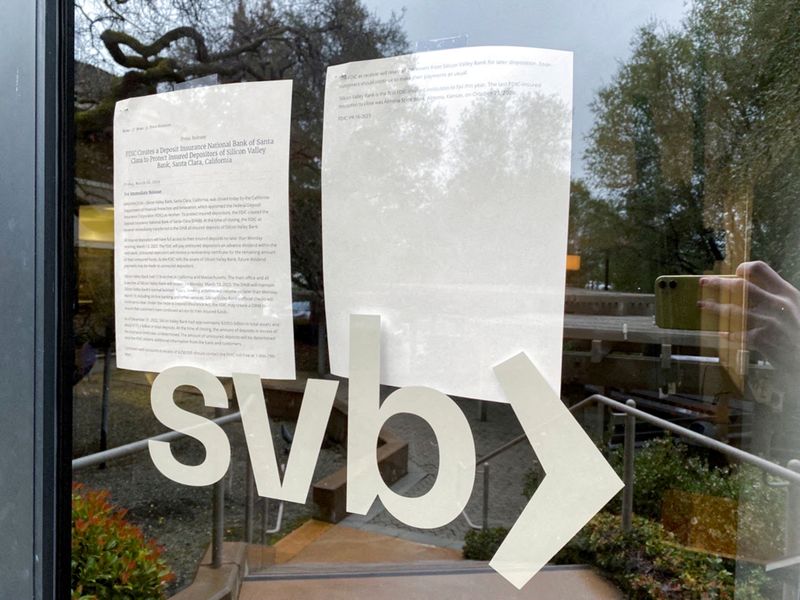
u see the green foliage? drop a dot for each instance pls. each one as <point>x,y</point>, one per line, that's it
<point>248,40</point>
<point>481,545</point>
<point>532,480</point>
<point>594,232</point>
<point>664,464</point>
<point>647,563</point>
<point>110,557</point>
<point>694,146</point>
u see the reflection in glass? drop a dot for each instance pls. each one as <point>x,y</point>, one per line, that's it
<point>692,169</point>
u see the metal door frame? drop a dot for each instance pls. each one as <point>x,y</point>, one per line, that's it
<point>35,289</point>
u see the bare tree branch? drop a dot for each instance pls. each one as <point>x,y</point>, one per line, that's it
<point>113,41</point>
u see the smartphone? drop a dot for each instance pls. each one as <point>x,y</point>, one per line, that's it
<point>676,303</point>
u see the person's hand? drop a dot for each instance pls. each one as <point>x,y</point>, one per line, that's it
<point>771,311</point>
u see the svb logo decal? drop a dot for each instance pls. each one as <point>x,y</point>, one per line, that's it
<point>577,484</point>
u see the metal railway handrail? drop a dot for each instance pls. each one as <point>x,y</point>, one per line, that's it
<point>742,456</point>
<point>698,438</point>
<point>790,474</point>
<point>99,458</point>
<point>218,495</point>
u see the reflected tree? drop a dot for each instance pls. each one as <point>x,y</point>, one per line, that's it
<point>509,151</point>
<point>405,163</point>
<point>147,43</point>
<point>694,145</point>
<point>594,235</point>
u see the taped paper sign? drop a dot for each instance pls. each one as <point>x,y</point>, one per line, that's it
<point>202,273</point>
<point>445,198</point>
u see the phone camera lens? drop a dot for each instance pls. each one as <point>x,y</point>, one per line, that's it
<point>662,284</point>
<point>673,284</point>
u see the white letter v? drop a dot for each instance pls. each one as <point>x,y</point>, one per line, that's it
<point>311,423</point>
<point>578,480</point>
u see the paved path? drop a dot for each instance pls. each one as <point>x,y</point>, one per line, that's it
<point>507,475</point>
<point>324,561</point>
<point>550,584</point>
<point>318,542</point>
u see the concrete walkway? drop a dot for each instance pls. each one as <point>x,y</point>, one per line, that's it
<point>324,561</point>
<point>375,556</point>
<point>507,477</point>
<point>318,542</point>
<point>571,583</point>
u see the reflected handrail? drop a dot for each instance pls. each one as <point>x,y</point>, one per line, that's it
<point>790,474</point>
<point>218,516</point>
<point>698,438</point>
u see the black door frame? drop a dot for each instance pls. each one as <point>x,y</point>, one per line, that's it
<point>36,225</point>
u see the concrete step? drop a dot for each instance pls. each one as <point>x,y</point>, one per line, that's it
<point>320,561</point>
<point>428,580</point>
<point>318,542</point>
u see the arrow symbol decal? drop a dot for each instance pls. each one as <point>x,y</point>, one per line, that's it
<point>578,481</point>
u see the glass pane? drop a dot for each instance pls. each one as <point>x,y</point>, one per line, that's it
<point>679,291</point>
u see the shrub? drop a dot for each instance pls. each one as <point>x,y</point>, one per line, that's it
<point>482,544</point>
<point>110,557</point>
<point>532,480</point>
<point>665,464</point>
<point>647,563</point>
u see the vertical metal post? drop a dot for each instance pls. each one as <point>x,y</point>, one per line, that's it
<point>791,590</point>
<point>322,340</point>
<point>217,517</point>
<point>249,503</point>
<point>264,520</point>
<point>104,401</point>
<point>597,351</point>
<point>666,356</point>
<point>110,333</point>
<point>628,469</point>
<point>600,416</point>
<point>723,418</point>
<point>485,523</point>
<point>594,421</point>
<point>105,395</point>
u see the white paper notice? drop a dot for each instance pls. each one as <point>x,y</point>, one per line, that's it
<point>202,265</point>
<point>445,187</point>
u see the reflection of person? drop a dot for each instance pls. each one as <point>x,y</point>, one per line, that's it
<point>772,311</point>
<point>85,357</point>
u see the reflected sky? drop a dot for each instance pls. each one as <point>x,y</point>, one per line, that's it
<point>598,32</point>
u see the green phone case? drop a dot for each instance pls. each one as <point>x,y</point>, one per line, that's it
<point>676,303</point>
